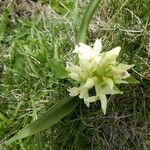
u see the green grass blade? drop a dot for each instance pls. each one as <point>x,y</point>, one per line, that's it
<point>2,117</point>
<point>55,114</point>
<point>89,12</point>
<point>3,23</point>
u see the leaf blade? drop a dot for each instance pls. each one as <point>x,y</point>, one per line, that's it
<point>89,12</point>
<point>58,69</point>
<point>131,80</point>
<point>55,114</point>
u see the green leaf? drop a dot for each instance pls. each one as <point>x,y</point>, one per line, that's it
<point>54,115</point>
<point>131,80</point>
<point>117,91</point>
<point>89,12</point>
<point>58,69</point>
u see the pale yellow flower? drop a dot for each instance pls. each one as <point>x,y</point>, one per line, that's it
<point>97,70</point>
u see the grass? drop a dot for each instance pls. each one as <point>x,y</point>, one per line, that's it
<point>29,88</point>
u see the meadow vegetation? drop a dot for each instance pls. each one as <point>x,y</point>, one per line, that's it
<point>28,86</point>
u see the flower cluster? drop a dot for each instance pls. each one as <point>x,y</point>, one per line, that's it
<point>99,70</point>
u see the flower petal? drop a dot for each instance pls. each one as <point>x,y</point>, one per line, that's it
<point>87,103</point>
<point>90,82</point>
<point>109,82</point>
<point>83,93</point>
<point>103,100</point>
<point>92,98</point>
<point>124,74</point>
<point>74,76</point>
<point>98,89</point>
<point>112,54</point>
<point>124,67</point>
<point>97,46</point>
<point>102,96</point>
<point>74,91</point>
<point>83,50</point>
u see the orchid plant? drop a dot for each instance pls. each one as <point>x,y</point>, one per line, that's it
<point>96,70</point>
<point>99,70</point>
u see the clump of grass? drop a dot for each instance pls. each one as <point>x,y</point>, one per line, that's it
<point>28,88</point>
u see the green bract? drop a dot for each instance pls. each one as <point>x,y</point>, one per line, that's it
<point>99,70</point>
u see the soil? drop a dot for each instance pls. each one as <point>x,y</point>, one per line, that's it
<point>25,9</point>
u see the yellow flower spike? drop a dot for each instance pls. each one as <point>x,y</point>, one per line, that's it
<point>97,70</point>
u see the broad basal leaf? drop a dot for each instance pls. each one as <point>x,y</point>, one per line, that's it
<point>55,114</point>
<point>58,69</point>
